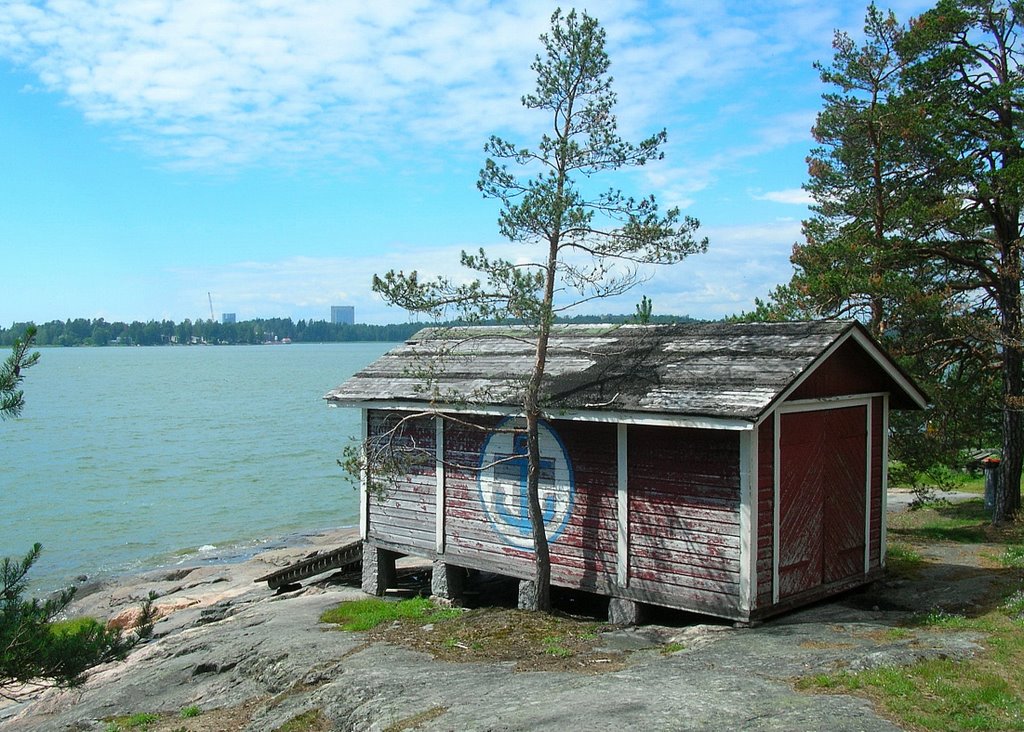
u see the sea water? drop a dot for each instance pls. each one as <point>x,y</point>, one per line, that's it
<point>127,458</point>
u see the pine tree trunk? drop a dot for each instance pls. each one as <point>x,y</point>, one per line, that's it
<point>1008,498</point>
<point>542,557</point>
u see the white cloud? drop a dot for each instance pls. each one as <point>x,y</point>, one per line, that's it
<point>204,83</point>
<point>756,258</point>
<point>794,196</point>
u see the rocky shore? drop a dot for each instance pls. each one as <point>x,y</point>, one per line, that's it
<point>245,657</point>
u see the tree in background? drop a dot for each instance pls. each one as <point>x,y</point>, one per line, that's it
<point>916,224</point>
<point>965,79</point>
<point>858,175</point>
<point>586,243</point>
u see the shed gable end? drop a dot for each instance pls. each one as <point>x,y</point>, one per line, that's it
<point>850,369</point>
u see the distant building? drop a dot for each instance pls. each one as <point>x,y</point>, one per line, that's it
<point>343,314</point>
<point>227,318</point>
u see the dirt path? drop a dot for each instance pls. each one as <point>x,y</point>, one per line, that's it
<point>251,660</point>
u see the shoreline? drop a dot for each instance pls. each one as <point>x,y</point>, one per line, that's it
<point>252,658</point>
<point>207,555</point>
<point>190,593</point>
<point>197,582</point>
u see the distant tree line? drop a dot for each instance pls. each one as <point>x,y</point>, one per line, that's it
<point>99,332</point>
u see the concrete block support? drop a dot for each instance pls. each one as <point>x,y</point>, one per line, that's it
<point>378,569</point>
<point>527,595</point>
<point>448,582</point>
<point>624,612</point>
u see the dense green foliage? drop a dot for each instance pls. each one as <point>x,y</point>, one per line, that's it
<point>12,373</point>
<point>918,183</point>
<point>36,650</point>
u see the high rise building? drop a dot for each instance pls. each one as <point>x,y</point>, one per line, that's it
<point>227,318</point>
<point>343,314</point>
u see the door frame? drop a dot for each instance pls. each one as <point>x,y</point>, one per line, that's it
<point>822,405</point>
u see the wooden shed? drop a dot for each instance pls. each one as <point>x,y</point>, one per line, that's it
<point>731,469</point>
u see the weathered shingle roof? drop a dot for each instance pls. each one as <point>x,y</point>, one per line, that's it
<point>716,370</point>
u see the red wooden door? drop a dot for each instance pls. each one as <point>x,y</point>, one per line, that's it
<point>821,497</point>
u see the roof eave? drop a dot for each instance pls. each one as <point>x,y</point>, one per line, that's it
<point>606,416</point>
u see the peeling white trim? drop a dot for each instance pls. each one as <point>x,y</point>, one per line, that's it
<point>828,403</point>
<point>622,513</point>
<point>601,417</point>
<point>873,351</point>
<point>776,508</point>
<point>867,489</point>
<point>364,482</point>
<point>890,368</point>
<point>884,534</point>
<point>439,474</point>
<point>748,520</point>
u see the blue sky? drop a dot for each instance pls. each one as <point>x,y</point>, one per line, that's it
<point>278,153</point>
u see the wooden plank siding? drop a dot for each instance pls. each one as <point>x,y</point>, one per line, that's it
<point>593,450</point>
<point>583,554</point>
<point>822,497</point>
<point>404,509</point>
<point>850,370</point>
<point>684,543</point>
<point>468,535</point>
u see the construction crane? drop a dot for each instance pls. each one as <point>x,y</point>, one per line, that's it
<point>210,298</point>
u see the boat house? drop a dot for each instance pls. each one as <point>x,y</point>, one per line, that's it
<point>731,469</point>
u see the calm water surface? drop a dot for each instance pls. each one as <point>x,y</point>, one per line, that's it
<point>133,457</point>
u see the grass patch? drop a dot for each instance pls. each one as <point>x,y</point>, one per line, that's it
<point>1013,557</point>
<point>531,641</point>
<point>367,614</point>
<point>553,647</point>
<point>140,721</point>
<point>310,721</point>
<point>1014,606</point>
<point>190,712</point>
<point>901,559</point>
<point>75,626</point>
<point>961,522</point>
<point>981,693</point>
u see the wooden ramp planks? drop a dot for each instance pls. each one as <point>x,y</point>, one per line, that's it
<point>348,556</point>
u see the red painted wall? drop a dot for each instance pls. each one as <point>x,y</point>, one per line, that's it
<point>847,371</point>
<point>684,488</point>
<point>821,498</point>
